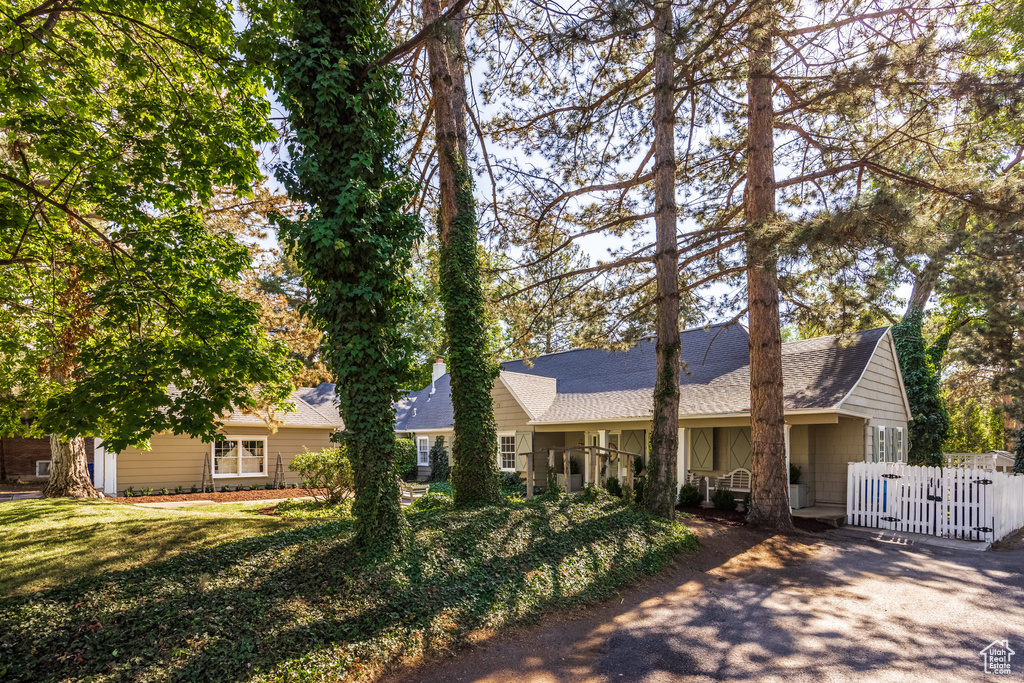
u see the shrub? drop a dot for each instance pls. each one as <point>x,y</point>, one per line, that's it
<point>268,486</point>
<point>638,490</point>
<point>180,489</point>
<point>209,488</point>
<point>511,479</point>
<point>329,470</point>
<point>253,487</point>
<point>794,473</point>
<point>432,501</point>
<point>612,486</point>
<point>689,495</point>
<point>129,492</point>
<point>147,491</point>
<point>164,492</point>
<point>238,487</point>
<point>225,489</point>
<point>723,499</point>
<point>194,489</point>
<point>638,466</point>
<point>282,485</point>
<point>405,458</point>
<point>294,485</point>
<point>440,468</point>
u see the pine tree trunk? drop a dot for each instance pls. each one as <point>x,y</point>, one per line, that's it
<point>69,470</point>
<point>769,489</point>
<point>474,448</point>
<point>660,489</point>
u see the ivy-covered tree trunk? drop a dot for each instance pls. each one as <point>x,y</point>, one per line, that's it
<point>354,241</point>
<point>660,489</point>
<point>930,422</point>
<point>474,447</point>
<point>69,470</point>
<point>769,488</point>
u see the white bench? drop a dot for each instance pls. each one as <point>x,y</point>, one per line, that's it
<point>412,491</point>
<point>737,481</point>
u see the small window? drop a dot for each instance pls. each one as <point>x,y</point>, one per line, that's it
<point>507,453</point>
<point>900,448</point>
<point>240,457</point>
<point>43,468</point>
<point>880,450</point>
<point>423,451</point>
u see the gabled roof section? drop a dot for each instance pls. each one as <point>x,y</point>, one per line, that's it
<point>314,407</point>
<point>593,384</point>
<point>533,392</point>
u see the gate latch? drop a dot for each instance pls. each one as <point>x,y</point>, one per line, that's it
<point>984,529</point>
<point>893,476</point>
<point>983,482</point>
<point>889,519</point>
<point>935,498</point>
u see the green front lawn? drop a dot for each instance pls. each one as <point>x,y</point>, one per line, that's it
<point>298,604</point>
<point>49,543</point>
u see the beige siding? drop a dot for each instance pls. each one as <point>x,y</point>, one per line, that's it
<point>508,414</point>
<point>800,455</point>
<point>177,460</point>
<point>832,447</point>
<point>879,395</point>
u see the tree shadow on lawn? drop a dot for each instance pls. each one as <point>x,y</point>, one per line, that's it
<point>302,600</point>
<point>96,541</point>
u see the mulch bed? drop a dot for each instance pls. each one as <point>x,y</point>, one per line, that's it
<point>21,486</point>
<point>218,497</point>
<point>734,518</point>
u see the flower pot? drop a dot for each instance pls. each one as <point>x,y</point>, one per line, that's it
<point>797,496</point>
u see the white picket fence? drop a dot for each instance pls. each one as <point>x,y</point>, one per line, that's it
<point>971,504</point>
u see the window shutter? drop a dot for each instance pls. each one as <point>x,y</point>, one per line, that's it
<point>880,451</point>
<point>901,448</point>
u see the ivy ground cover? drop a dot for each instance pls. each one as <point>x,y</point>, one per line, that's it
<point>299,604</point>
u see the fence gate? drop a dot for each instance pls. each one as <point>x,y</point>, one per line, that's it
<point>954,503</point>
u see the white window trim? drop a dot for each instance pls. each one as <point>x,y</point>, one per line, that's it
<point>240,474</point>
<point>49,463</point>
<point>500,463</point>
<point>419,451</point>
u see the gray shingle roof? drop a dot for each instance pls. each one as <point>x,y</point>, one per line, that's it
<point>314,407</point>
<point>592,384</point>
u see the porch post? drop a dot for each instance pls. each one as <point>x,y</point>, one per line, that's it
<point>683,457</point>
<point>529,476</point>
<point>568,475</point>
<point>602,441</point>
<point>788,427</point>
<point>551,468</point>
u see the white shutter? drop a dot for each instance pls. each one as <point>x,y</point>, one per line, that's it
<point>900,449</point>
<point>880,452</point>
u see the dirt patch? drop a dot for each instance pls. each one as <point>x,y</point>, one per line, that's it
<point>734,518</point>
<point>218,497</point>
<point>21,486</point>
<point>1012,542</point>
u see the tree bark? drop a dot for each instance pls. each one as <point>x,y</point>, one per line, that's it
<point>474,447</point>
<point>69,470</point>
<point>3,460</point>
<point>769,489</point>
<point>660,489</point>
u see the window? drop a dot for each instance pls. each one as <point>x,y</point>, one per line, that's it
<point>43,468</point>
<point>890,444</point>
<point>240,457</point>
<point>507,452</point>
<point>422,451</point>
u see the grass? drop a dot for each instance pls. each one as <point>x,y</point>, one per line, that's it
<point>48,543</point>
<point>299,604</point>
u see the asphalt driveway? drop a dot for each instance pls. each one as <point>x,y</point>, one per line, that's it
<point>752,608</point>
